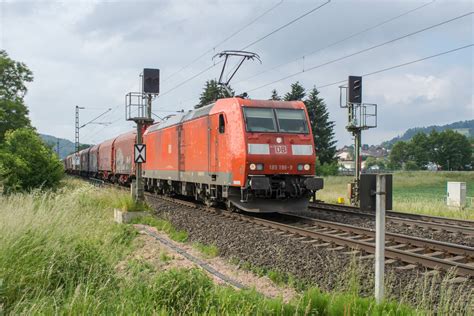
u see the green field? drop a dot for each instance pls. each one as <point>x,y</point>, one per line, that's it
<point>420,192</point>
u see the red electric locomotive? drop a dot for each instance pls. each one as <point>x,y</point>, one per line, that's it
<point>256,155</point>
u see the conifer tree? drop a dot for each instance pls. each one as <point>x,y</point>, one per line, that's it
<point>323,128</point>
<point>275,96</point>
<point>212,92</point>
<point>297,92</point>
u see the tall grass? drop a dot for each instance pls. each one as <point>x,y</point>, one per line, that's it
<point>419,192</point>
<point>60,253</point>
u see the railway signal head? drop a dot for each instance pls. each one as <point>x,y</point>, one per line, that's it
<point>355,89</point>
<point>151,81</point>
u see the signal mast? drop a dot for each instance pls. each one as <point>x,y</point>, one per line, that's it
<point>138,109</point>
<point>360,116</point>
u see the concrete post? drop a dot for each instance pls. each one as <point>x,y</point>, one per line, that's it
<point>380,239</point>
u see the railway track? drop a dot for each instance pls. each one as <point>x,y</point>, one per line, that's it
<point>410,250</point>
<point>405,219</point>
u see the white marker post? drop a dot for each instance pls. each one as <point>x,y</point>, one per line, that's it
<point>380,238</point>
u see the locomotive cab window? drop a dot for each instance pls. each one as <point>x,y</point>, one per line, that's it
<point>260,120</point>
<point>291,121</point>
<point>221,124</point>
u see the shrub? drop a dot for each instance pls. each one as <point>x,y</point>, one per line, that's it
<point>326,169</point>
<point>26,163</point>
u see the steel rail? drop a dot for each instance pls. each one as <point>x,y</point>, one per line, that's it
<point>406,256</point>
<point>393,237</point>
<point>407,219</point>
<point>353,242</point>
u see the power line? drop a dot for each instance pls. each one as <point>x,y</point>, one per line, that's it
<point>364,50</point>
<point>286,24</point>
<point>400,65</point>
<point>339,41</point>
<point>247,46</point>
<point>226,39</point>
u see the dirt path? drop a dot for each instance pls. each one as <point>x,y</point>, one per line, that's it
<point>164,254</point>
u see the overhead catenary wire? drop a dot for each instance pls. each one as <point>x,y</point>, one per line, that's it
<point>248,45</point>
<point>286,25</point>
<point>226,39</point>
<point>400,65</point>
<point>363,50</point>
<point>370,28</point>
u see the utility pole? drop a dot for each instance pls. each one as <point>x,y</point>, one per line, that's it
<point>138,109</point>
<point>77,129</point>
<point>76,156</point>
<point>361,116</point>
<point>57,147</point>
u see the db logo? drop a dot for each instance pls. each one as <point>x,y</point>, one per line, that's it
<point>280,149</point>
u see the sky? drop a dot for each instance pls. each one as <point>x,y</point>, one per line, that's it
<point>90,54</point>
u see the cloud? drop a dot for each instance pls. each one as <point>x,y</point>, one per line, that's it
<point>90,53</point>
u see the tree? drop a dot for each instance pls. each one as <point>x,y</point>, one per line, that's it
<point>13,115</point>
<point>451,150</point>
<point>212,92</point>
<point>13,78</point>
<point>275,96</point>
<point>297,92</point>
<point>420,147</point>
<point>323,128</point>
<point>370,162</point>
<point>27,163</point>
<point>399,155</point>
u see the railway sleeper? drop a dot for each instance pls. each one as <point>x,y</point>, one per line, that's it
<point>407,267</point>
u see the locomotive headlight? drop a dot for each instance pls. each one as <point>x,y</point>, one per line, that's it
<point>300,167</point>
<point>260,166</point>
<point>253,166</point>
<point>306,167</point>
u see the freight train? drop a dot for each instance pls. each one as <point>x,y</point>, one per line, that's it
<point>253,155</point>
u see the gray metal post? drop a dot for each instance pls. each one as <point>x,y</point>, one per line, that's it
<point>148,108</point>
<point>357,161</point>
<point>380,238</point>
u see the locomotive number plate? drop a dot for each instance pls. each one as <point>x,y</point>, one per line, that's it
<point>280,149</point>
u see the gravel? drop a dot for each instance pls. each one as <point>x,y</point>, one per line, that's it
<point>328,269</point>
<point>352,219</point>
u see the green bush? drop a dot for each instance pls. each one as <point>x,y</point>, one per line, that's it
<point>27,164</point>
<point>326,169</point>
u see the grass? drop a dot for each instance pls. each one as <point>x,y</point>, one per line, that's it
<point>209,251</point>
<point>60,253</point>
<point>126,203</point>
<point>419,192</point>
<point>164,226</point>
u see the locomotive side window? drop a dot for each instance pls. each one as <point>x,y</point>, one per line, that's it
<point>291,121</point>
<point>260,120</point>
<point>221,124</point>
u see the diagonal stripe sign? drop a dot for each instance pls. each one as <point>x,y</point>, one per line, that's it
<point>140,153</point>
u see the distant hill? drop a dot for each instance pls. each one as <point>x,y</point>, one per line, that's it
<point>65,146</point>
<point>464,127</point>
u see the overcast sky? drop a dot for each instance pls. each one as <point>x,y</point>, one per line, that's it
<point>90,53</point>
